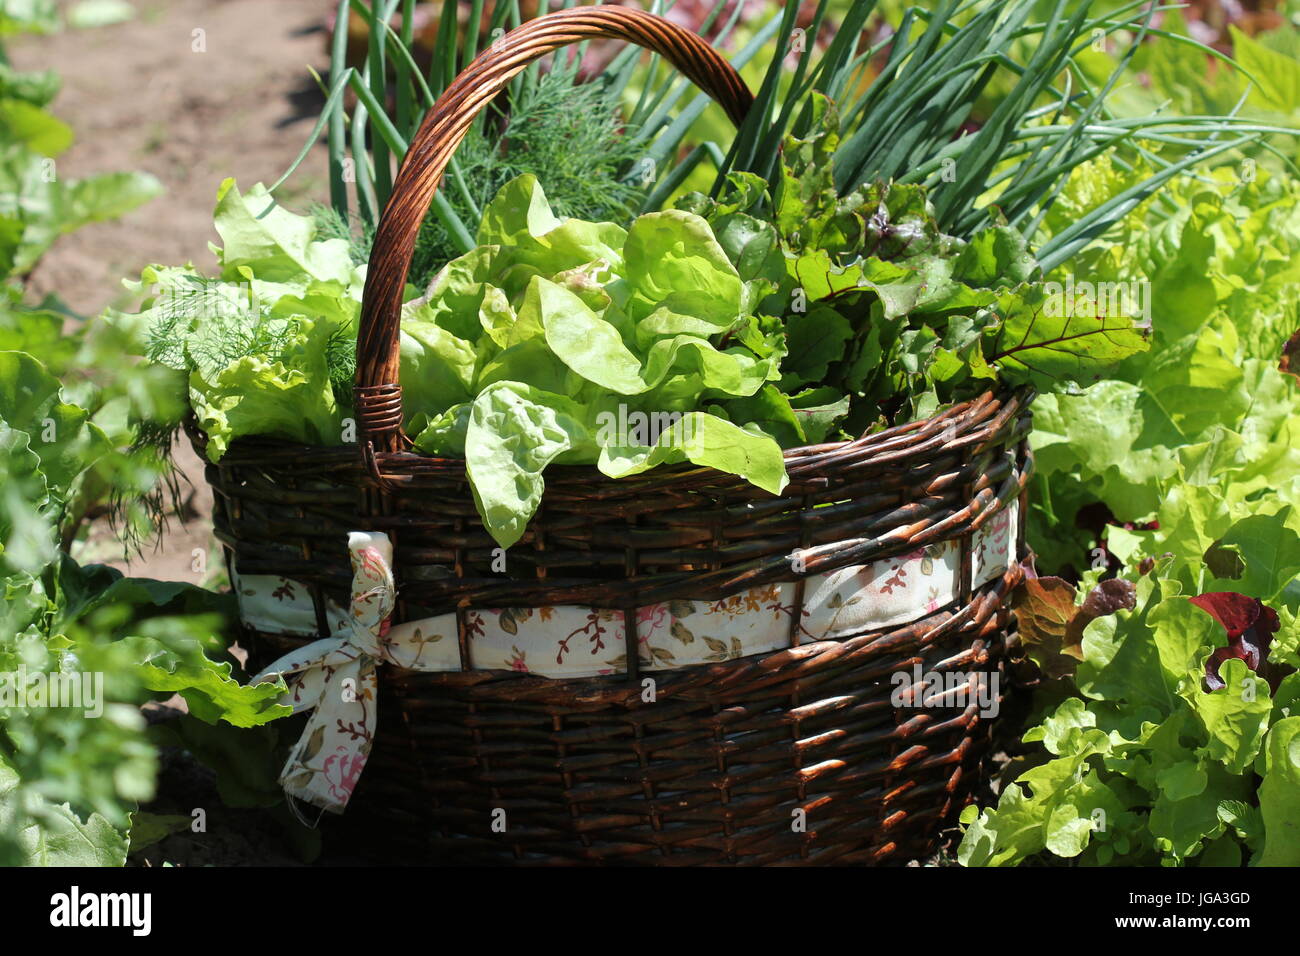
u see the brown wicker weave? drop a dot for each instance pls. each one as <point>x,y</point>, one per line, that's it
<point>585,770</point>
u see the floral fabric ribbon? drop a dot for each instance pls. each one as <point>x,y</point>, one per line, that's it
<point>572,641</point>
<point>335,679</point>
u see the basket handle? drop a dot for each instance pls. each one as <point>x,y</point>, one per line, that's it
<point>377,390</point>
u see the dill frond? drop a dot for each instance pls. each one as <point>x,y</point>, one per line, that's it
<point>569,134</point>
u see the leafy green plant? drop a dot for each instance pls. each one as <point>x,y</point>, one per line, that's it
<point>1222,292</point>
<point>917,121</point>
<point>29,16</point>
<point>1156,762</point>
<point>578,321</point>
<point>1172,744</point>
<point>1175,730</point>
<point>37,205</point>
<point>265,348</point>
<point>834,281</point>
<point>68,782</point>
<point>541,281</point>
<point>885,312</point>
<point>1177,81</point>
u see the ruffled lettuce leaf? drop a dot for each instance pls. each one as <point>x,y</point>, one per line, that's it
<point>47,442</point>
<point>262,240</point>
<point>289,398</point>
<point>515,431</point>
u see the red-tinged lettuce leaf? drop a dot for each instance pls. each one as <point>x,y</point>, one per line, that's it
<point>1107,598</point>
<point>1250,624</point>
<point>1044,609</point>
<point>1291,356</point>
<point>1034,342</point>
<point>1052,625</point>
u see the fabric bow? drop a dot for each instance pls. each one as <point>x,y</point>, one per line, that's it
<point>335,679</point>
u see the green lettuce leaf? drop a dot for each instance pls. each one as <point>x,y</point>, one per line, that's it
<point>515,431</point>
<point>262,239</point>
<point>703,439</point>
<point>45,834</point>
<point>1279,796</point>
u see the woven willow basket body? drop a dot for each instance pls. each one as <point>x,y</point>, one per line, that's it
<point>793,756</point>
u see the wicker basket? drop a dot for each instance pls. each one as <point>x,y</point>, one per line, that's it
<point>793,756</point>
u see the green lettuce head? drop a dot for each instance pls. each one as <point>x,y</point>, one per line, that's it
<point>585,343</point>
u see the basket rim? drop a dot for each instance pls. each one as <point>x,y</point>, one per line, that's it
<point>960,426</point>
